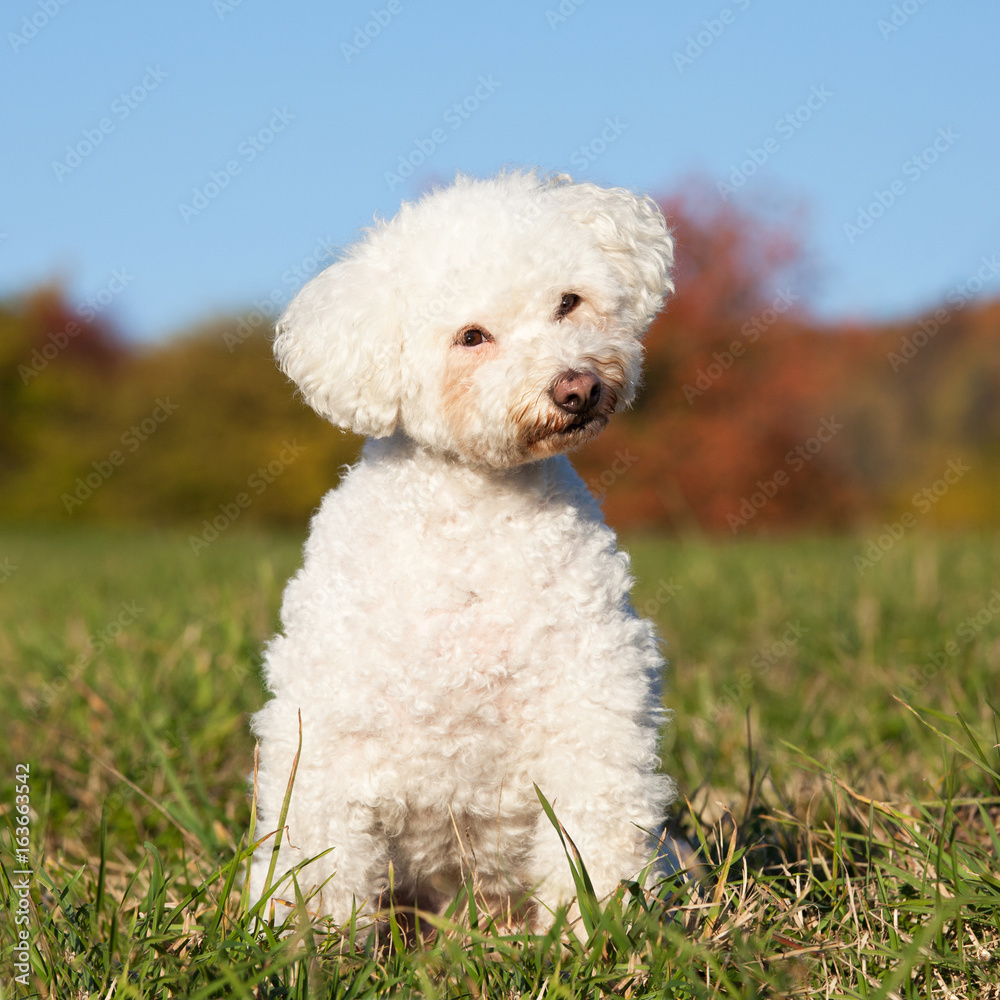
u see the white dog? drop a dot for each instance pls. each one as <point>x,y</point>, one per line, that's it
<point>460,631</point>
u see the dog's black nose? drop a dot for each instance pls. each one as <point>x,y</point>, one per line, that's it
<point>577,392</point>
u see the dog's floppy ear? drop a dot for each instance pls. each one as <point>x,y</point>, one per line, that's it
<point>632,231</point>
<point>339,341</point>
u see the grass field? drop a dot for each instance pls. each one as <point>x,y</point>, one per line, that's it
<point>835,742</point>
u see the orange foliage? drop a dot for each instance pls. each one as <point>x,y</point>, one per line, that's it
<point>742,401</point>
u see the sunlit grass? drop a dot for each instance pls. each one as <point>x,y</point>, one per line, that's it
<point>835,739</point>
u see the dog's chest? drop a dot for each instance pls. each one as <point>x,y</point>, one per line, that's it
<point>483,589</point>
<point>426,602</point>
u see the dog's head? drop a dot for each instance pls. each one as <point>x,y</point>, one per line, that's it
<point>497,320</point>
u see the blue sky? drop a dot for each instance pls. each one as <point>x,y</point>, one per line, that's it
<point>168,162</point>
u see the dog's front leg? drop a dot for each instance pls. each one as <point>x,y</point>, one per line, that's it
<point>338,861</point>
<point>609,814</point>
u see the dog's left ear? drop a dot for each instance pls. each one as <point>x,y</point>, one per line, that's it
<point>632,231</point>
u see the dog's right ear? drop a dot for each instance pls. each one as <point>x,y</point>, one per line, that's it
<point>339,341</point>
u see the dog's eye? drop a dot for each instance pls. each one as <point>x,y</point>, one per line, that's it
<point>473,337</point>
<point>568,303</point>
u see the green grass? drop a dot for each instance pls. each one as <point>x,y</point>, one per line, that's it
<point>836,757</point>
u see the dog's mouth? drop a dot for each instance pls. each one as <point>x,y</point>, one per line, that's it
<point>584,426</point>
<point>556,435</point>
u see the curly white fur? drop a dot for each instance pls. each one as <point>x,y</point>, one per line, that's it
<point>460,630</point>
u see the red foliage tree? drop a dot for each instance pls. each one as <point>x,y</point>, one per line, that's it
<point>734,429</point>
<point>79,336</point>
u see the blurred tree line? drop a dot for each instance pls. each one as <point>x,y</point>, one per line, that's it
<point>753,417</point>
<point>757,416</point>
<point>166,433</point>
